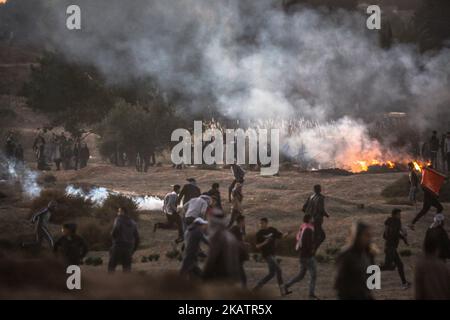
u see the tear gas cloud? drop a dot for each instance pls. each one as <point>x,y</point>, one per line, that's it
<point>15,172</point>
<point>99,194</point>
<point>252,60</point>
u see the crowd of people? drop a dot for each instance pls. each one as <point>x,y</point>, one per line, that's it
<point>199,219</point>
<point>437,151</point>
<point>65,152</point>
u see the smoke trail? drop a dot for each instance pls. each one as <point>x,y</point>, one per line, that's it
<point>18,172</point>
<point>98,195</point>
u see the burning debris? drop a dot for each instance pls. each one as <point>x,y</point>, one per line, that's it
<point>98,195</point>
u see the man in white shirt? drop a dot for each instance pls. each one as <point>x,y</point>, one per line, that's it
<point>171,213</point>
<point>196,208</point>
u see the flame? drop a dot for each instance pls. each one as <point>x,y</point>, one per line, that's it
<point>363,165</point>
<point>417,166</point>
<point>390,164</point>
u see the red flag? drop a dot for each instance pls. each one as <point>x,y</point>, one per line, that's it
<point>432,180</point>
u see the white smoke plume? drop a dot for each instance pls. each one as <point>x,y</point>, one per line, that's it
<point>98,195</point>
<point>252,60</point>
<point>15,172</point>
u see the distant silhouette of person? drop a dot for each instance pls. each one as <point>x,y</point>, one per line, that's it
<point>393,232</point>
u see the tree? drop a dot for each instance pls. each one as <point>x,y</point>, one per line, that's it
<point>129,129</point>
<point>72,95</point>
<point>432,22</point>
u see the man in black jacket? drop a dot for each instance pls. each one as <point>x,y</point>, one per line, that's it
<point>393,232</point>
<point>305,244</point>
<point>315,206</point>
<point>189,191</point>
<point>125,238</point>
<point>265,241</point>
<point>214,193</point>
<point>72,247</point>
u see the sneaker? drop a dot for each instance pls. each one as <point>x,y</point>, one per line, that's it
<point>406,285</point>
<point>313,297</point>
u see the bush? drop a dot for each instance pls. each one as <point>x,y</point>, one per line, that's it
<point>69,207</point>
<point>108,211</point>
<point>97,236</point>
<point>400,189</point>
<point>134,129</point>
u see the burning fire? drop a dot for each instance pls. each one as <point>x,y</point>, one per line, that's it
<point>364,165</point>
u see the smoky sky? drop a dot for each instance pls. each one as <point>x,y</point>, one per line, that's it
<point>251,59</point>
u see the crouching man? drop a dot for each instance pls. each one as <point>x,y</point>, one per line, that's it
<point>125,238</point>
<point>71,246</point>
